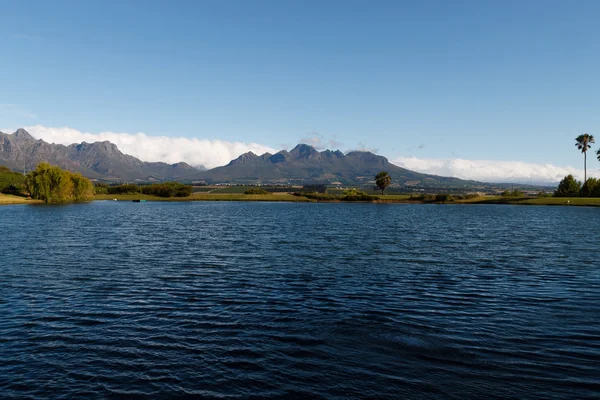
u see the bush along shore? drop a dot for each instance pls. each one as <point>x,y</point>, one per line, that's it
<point>45,184</point>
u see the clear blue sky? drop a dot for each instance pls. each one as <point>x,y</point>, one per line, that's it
<point>502,80</point>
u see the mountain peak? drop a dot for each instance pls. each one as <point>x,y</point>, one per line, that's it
<point>22,134</point>
<point>367,156</point>
<point>248,156</point>
<point>106,147</point>
<point>303,150</point>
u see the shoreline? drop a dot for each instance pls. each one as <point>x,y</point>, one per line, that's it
<point>9,199</point>
<point>289,198</point>
<point>385,199</point>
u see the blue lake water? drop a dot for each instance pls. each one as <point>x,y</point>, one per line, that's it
<point>273,300</point>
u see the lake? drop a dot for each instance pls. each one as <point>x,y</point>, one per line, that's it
<point>273,300</point>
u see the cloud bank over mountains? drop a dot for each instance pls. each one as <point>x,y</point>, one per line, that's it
<point>213,153</point>
<point>494,171</point>
<point>196,152</point>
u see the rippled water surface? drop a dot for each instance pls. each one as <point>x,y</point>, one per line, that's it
<point>275,300</point>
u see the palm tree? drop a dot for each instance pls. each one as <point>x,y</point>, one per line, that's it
<point>583,143</point>
<point>383,180</point>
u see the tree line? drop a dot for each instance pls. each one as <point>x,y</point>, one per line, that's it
<point>164,189</point>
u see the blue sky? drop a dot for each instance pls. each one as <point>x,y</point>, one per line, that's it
<point>439,80</point>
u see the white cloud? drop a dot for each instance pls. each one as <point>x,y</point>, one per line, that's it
<point>320,142</point>
<point>196,152</point>
<point>363,147</point>
<point>494,171</point>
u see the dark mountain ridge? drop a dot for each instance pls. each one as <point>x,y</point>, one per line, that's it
<point>21,151</point>
<point>305,164</point>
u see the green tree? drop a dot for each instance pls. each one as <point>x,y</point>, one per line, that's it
<point>83,189</point>
<point>54,185</point>
<point>383,180</point>
<point>568,187</point>
<point>583,143</point>
<point>38,182</point>
<point>589,187</point>
<point>595,190</point>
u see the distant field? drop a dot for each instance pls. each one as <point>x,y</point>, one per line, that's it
<point>553,201</point>
<point>248,197</point>
<point>10,199</point>
<point>230,189</point>
<point>393,197</point>
<point>206,197</point>
<point>242,189</point>
<point>540,201</point>
<point>199,189</point>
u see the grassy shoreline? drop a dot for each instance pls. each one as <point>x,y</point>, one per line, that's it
<point>391,199</point>
<point>6,199</point>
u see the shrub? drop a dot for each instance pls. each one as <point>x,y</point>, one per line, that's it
<point>443,198</point>
<point>514,193</point>
<point>314,188</point>
<point>256,191</point>
<point>11,182</point>
<point>101,188</point>
<point>357,195</point>
<point>423,197</point>
<point>168,189</point>
<point>164,189</point>
<point>12,189</point>
<point>127,188</point>
<point>318,196</point>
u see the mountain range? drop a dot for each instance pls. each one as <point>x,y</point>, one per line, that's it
<point>21,151</point>
<point>303,164</point>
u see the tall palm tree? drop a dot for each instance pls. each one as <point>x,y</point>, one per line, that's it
<point>583,143</point>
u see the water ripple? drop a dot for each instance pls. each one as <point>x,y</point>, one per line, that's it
<point>269,300</point>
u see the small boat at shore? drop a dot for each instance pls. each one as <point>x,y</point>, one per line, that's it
<point>139,201</point>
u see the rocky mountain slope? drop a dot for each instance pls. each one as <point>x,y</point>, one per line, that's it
<point>305,164</point>
<point>21,151</point>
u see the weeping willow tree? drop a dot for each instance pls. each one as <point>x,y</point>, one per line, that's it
<point>51,184</point>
